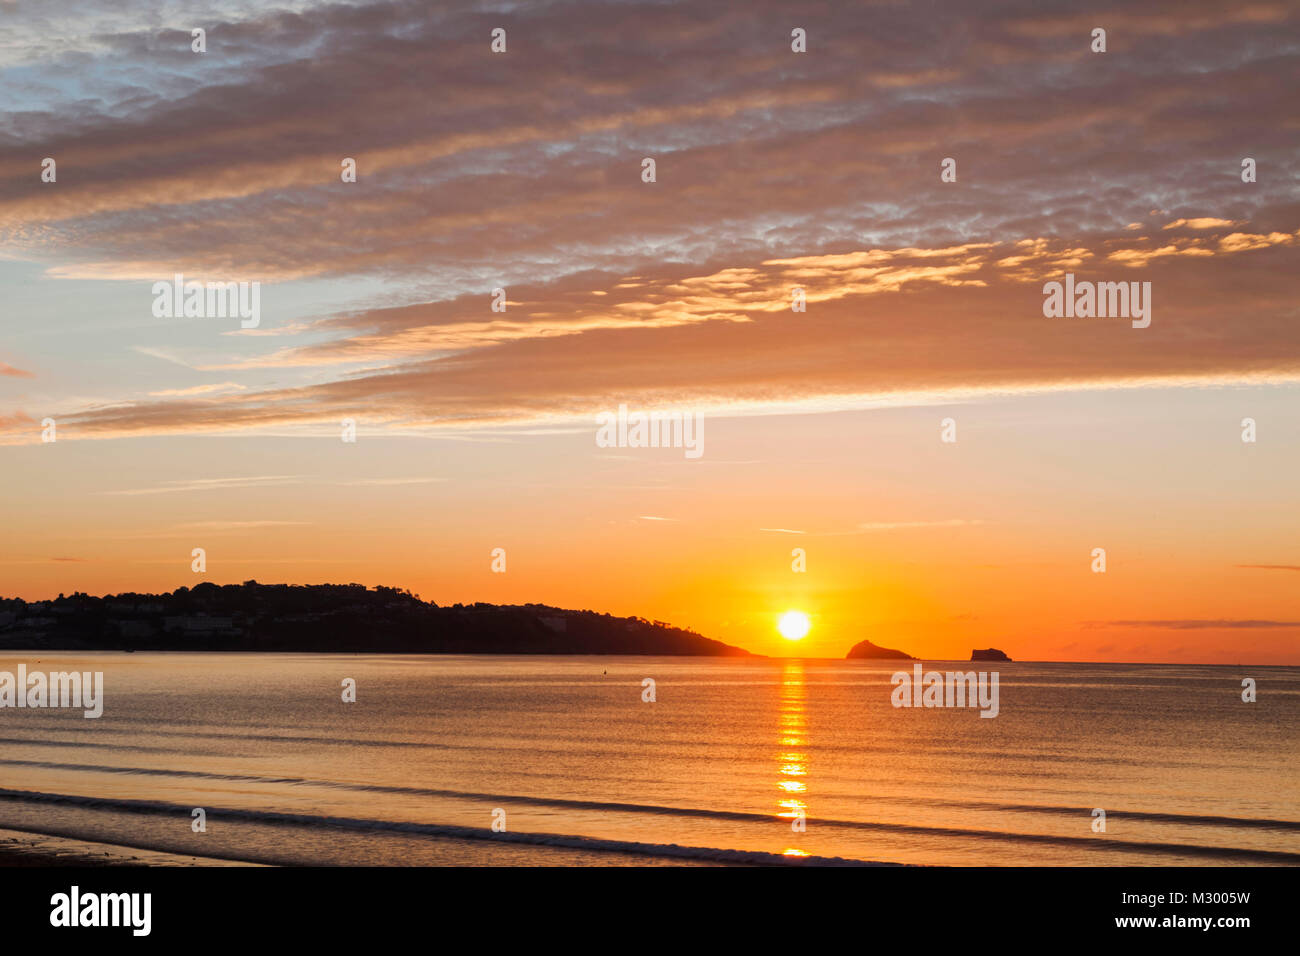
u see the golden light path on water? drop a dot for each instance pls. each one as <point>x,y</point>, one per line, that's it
<point>792,761</point>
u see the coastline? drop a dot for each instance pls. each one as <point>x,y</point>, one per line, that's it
<point>20,848</point>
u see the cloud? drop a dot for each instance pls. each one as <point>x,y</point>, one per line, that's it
<point>1195,625</point>
<point>167,355</point>
<point>16,423</point>
<point>898,525</point>
<point>385,482</point>
<point>12,372</point>
<point>677,332</point>
<point>1202,223</point>
<point>198,390</point>
<point>535,153</point>
<point>775,171</point>
<point>207,484</point>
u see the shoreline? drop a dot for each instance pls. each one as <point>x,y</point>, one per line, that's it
<point>24,849</point>
<point>15,652</point>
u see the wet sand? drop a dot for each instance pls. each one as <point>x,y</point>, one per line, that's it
<point>19,849</point>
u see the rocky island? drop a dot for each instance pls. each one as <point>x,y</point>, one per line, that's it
<point>867,650</point>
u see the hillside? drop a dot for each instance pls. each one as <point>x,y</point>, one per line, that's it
<point>330,617</point>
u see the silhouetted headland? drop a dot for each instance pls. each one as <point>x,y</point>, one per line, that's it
<point>988,654</point>
<point>330,618</point>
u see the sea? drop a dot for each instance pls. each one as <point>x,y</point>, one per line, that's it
<point>642,761</point>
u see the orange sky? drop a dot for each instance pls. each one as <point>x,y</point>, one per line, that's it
<point>776,171</point>
<point>912,543</point>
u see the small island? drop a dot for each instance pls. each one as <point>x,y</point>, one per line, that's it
<point>988,654</point>
<point>868,651</point>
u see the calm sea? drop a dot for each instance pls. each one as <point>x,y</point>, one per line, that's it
<point>716,770</point>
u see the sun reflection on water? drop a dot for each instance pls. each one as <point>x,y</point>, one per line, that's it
<point>792,761</point>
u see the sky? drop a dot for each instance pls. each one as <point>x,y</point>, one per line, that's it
<point>774,170</point>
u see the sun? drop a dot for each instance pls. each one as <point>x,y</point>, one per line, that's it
<point>793,625</point>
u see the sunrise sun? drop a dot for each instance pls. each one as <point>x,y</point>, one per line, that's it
<point>793,625</point>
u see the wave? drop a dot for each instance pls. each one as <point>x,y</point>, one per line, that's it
<point>1093,844</point>
<point>681,744</point>
<point>568,841</point>
<point>1186,819</point>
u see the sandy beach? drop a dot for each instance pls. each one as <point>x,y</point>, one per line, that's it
<point>20,849</point>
